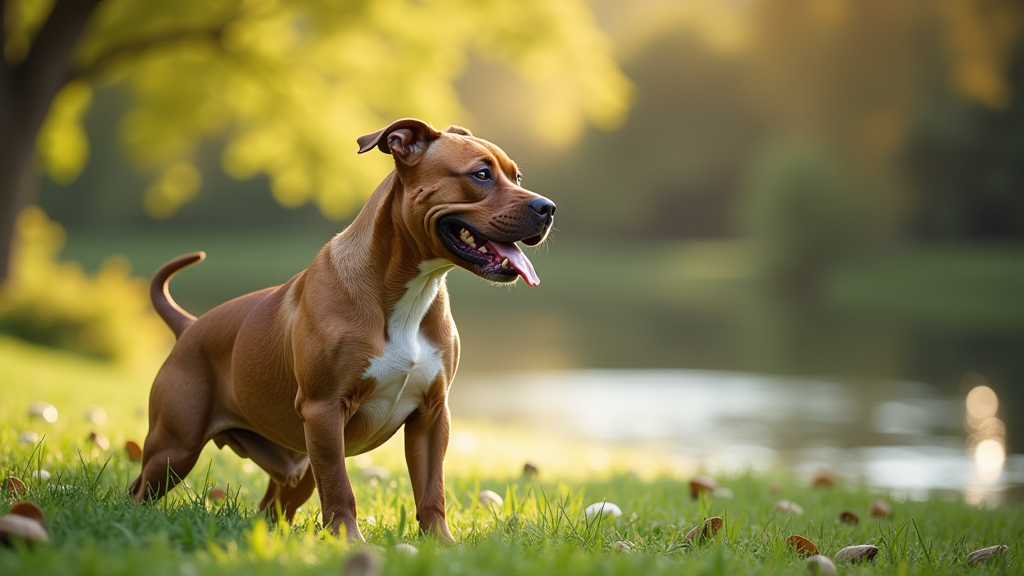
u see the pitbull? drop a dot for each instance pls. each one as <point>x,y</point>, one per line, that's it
<point>333,362</point>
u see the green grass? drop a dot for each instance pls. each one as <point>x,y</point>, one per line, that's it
<point>541,529</point>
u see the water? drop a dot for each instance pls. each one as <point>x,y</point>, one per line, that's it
<point>904,436</point>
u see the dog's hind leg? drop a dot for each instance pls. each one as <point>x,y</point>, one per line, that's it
<point>179,408</point>
<point>289,497</point>
<point>165,463</point>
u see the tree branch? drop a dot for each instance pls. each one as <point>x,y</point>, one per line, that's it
<point>43,73</point>
<point>142,45</point>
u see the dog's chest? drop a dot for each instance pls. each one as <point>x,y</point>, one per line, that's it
<point>410,362</point>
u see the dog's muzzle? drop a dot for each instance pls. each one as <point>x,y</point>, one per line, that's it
<point>495,256</point>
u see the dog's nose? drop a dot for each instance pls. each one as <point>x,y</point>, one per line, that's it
<point>542,206</point>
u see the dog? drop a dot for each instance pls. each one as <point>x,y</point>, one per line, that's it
<point>333,362</point>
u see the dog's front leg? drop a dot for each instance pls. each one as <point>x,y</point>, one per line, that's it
<point>324,424</point>
<point>426,442</point>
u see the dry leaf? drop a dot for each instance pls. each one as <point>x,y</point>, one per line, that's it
<point>849,517</point>
<point>823,479</point>
<point>29,510</point>
<point>803,546</point>
<point>880,509</point>
<point>134,450</point>
<point>986,554</point>
<point>490,498</point>
<point>818,565</point>
<point>702,484</point>
<point>704,531</point>
<point>855,554</point>
<point>99,440</point>
<point>788,506</point>
<point>15,486</point>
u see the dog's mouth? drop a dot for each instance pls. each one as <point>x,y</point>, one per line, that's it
<point>495,261</point>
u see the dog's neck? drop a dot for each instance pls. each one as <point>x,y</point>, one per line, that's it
<point>379,250</point>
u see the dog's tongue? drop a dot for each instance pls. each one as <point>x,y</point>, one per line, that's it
<point>518,261</point>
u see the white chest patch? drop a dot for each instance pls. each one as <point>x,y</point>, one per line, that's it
<point>410,363</point>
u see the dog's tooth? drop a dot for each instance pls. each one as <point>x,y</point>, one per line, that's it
<point>472,245</point>
<point>482,250</point>
<point>471,240</point>
<point>504,263</point>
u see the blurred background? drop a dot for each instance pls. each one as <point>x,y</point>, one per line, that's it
<point>790,232</point>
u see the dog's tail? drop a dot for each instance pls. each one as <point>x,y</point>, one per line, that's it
<point>176,318</point>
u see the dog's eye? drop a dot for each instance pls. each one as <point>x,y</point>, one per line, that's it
<point>482,175</point>
<point>519,179</point>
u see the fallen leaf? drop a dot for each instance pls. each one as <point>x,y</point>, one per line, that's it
<point>880,509</point>
<point>623,546</point>
<point>818,565</point>
<point>603,508</point>
<point>99,440</point>
<point>788,506</point>
<point>134,450</point>
<point>986,554</point>
<point>529,470</point>
<point>855,554</point>
<point>803,546</point>
<point>29,510</point>
<point>701,484</point>
<point>15,527</point>
<point>704,531</point>
<point>849,517</point>
<point>15,486</point>
<point>823,479</point>
<point>490,498</point>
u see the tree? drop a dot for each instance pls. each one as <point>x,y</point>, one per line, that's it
<point>284,84</point>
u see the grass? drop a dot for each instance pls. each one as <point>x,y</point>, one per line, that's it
<point>540,529</point>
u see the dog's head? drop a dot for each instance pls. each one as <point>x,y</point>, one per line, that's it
<point>465,195</point>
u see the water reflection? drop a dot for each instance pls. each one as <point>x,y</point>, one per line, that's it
<point>900,435</point>
<point>986,436</point>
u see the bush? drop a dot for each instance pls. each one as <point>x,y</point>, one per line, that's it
<point>800,212</point>
<point>106,314</point>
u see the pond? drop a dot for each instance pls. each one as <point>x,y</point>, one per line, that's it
<point>899,435</point>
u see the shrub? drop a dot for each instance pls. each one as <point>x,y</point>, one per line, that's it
<point>800,211</point>
<point>58,304</point>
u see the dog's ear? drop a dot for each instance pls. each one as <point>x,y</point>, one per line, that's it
<point>405,139</point>
<point>453,129</point>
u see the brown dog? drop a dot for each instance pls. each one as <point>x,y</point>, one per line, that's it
<point>331,363</point>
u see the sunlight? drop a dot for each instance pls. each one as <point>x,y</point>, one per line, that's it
<point>982,403</point>
<point>989,457</point>
<point>986,434</point>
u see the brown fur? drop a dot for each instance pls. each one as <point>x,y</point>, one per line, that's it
<point>278,374</point>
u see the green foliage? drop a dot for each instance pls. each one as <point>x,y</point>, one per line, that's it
<point>287,86</point>
<point>800,212</point>
<point>540,528</point>
<point>106,314</point>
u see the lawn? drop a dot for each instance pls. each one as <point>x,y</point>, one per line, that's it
<point>540,529</point>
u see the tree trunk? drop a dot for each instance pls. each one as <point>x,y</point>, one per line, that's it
<point>27,90</point>
<point>18,179</point>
